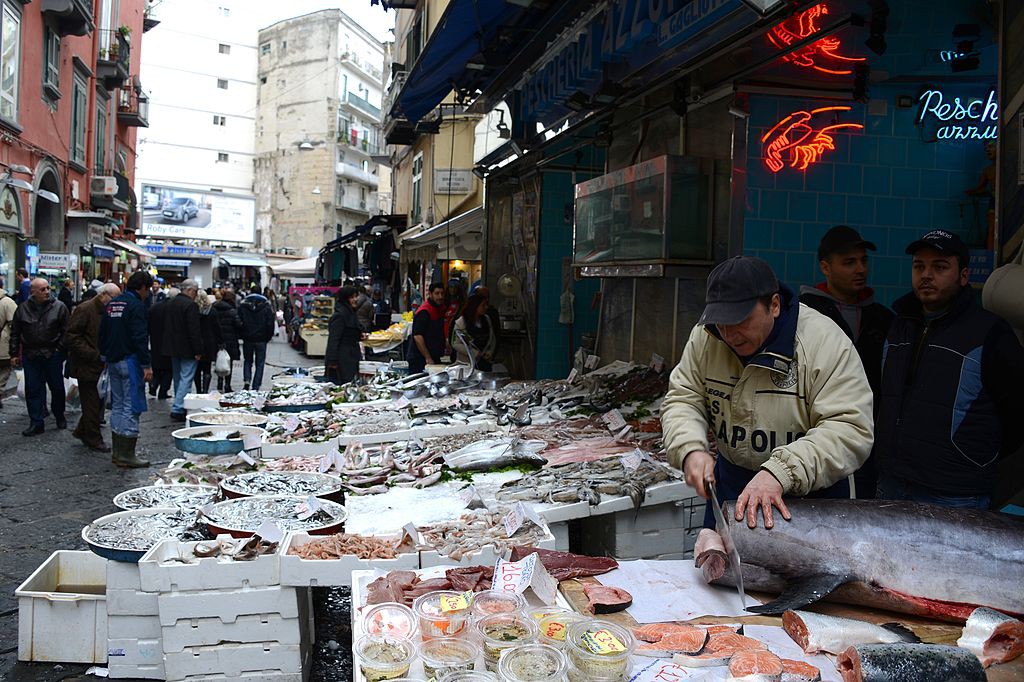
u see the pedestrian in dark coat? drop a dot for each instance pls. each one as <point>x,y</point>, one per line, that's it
<point>343,335</point>
<point>37,342</point>
<point>230,328</point>
<point>184,343</point>
<point>209,329</point>
<point>82,341</point>
<point>162,374</point>
<point>65,296</point>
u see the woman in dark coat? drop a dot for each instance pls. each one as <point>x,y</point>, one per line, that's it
<point>343,335</point>
<point>230,328</point>
<point>209,331</point>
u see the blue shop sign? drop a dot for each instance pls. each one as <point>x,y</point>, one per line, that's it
<point>171,250</point>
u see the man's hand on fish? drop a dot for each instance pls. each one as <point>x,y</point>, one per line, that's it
<point>698,467</point>
<point>763,491</point>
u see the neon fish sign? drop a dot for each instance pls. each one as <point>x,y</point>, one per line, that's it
<point>816,55</point>
<point>796,138</point>
<point>960,119</point>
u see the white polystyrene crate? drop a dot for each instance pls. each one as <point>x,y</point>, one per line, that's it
<point>200,401</point>
<point>135,651</point>
<point>61,626</point>
<point>123,575</point>
<point>561,533</point>
<point>332,572</point>
<point>131,603</point>
<point>259,661</point>
<point>485,556</point>
<point>264,627</point>
<point>120,627</point>
<point>564,512</point>
<point>228,605</point>
<point>374,438</point>
<point>298,449</point>
<point>436,430</point>
<point>161,570</point>
<point>150,671</point>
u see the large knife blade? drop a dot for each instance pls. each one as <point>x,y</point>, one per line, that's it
<point>726,534</point>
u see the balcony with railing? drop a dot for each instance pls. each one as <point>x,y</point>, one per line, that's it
<point>113,57</point>
<point>361,105</point>
<point>150,16</point>
<point>68,17</point>
<point>350,199</point>
<point>350,172</point>
<point>351,139</point>
<point>374,72</point>
<point>133,107</point>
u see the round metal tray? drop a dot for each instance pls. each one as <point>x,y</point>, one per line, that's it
<point>186,441</point>
<point>217,527</point>
<point>228,419</point>
<point>331,488</point>
<point>199,494</point>
<point>117,553</point>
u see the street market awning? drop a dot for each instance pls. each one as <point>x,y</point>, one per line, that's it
<point>132,247</point>
<point>460,237</point>
<point>244,260</point>
<point>92,216</point>
<point>296,268</point>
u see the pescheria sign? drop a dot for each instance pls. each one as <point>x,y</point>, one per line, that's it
<point>961,119</point>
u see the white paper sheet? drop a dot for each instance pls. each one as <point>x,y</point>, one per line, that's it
<point>672,590</point>
<point>783,646</point>
<point>664,670</point>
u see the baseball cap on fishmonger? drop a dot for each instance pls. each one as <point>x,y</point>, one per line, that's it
<point>734,288</point>
<point>942,241</point>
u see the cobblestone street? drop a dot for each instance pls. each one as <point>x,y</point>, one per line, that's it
<point>51,486</point>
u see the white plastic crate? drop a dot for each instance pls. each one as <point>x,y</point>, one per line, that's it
<point>125,671</point>
<point>62,610</point>
<point>227,605</point>
<point>257,628</point>
<point>131,603</point>
<point>135,651</point>
<point>160,571</point>
<point>374,438</point>
<point>120,627</point>
<point>123,575</point>
<point>230,661</point>
<point>330,572</point>
<point>486,556</point>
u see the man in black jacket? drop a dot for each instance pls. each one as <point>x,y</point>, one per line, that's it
<point>37,342</point>
<point>124,346</point>
<point>257,330</point>
<point>183,343</point>
<point>162,368</point>
<point>951,399</point>
<point>845,298</point>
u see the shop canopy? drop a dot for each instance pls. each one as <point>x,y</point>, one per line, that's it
<point>132,247</point>
<point>244,260</point>
<point>296,268</point>
<point>460,237</point>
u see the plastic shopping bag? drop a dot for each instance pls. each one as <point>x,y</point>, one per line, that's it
<point>103,386</point>
<point>20,374</point>
<point>73,401</point>
<point>223,364</point>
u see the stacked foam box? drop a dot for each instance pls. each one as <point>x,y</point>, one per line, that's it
<point>223,619</point>
<point>662,531</point>
<point>134,649</point>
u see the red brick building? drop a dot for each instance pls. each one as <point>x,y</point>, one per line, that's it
<point>70,103</point>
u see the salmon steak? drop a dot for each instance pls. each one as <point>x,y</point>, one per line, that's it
<point>719,649</point>
<point>992,636</point>
<point>752,665</point>
<point>690,640</point>
<point>798,671</point>
<point>653,632</point>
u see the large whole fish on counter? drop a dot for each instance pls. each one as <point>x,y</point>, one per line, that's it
<point>902,556</point>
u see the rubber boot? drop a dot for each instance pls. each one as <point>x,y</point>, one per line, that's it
<point>116,447</point>
<point>125,455</point>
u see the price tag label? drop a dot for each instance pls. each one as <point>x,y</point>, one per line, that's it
<point>306,510</point>
<point>470,496</point>
<point>411,534</point>
<point>543,585</point>
<point>657,362</point>
<point>526,574</point>
<point>337,458</point>
<point>591,361</point>
<point>614,420</point>
<point>270,531</point>
<point>631,461</point>
<point>402,403</point>
<point>520,514</point>
<point>325,464</point>
<point>602,642</point>
<point>291,423</point>
<point>621,435</point>
<point>244,456</point>
<point>251,441</point>
<point>455,602</point>
<point>572,375</point>
<point>555,629</point>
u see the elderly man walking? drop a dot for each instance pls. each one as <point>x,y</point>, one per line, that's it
<point>37,342</point>
<point>86,364</point>
<point>183,343</point>
<point>124,346</point>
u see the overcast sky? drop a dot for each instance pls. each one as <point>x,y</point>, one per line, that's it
<point>372,17</point>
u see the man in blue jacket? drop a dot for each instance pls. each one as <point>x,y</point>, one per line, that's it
<point>124,345</point>
<point>950,395</point>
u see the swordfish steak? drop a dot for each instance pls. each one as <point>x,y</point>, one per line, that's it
<point>903,556</point>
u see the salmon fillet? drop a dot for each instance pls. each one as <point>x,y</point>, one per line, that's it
<point>685,639</point>
<point>798,671</point>
<point>653,632</point>
<point>719,649</point>
<point>756,666</point>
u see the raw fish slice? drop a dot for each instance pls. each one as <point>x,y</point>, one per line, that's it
<point>755,666</point>
<point>653,632</point>
<point>909,663</point>
<point>719,649</point>
<point>710,555</point>
<point>607,599</point>
<point>688,641</point>
<point>992,636</point>
<point>798,671</point>
<point>816,632</point>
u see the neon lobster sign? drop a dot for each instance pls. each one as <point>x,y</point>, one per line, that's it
<point>821,55</point>
<point>794,142</point>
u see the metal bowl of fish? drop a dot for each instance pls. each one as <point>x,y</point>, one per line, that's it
<point>270,483</point>
<point>241,517</point>
<point>214,440</point>
<point>228,419</point>
<point>127,535</point>
<point>183,496</point>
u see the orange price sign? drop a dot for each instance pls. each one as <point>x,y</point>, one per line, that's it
<point>602,642</point>
<point>457,602</point>
<point>555,630</point>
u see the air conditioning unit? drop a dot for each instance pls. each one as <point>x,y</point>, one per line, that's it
<point>103,185</point>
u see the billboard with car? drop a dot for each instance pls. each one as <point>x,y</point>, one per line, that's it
<point>173,213</point>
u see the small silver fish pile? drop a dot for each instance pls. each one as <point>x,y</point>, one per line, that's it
<point>368,423</point>
<point>586,482</point>
<point>139,532</point>
<point>472,532</point>
<point>371,471</point>
<point>282,483</point>
<point>242,398</point>
<point>203,469</point>
<point>312,427</point>
<point>288,512</point>
<point>298,394</point>
<point>310,464</point>
<point>165,496</point>
<point>358,393</point>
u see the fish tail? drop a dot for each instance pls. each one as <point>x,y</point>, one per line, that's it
<point>904,633</point>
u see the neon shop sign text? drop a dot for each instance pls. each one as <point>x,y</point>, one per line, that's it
<point>960,118</point>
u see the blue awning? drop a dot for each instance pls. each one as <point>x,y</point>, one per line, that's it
<point>465,28</point>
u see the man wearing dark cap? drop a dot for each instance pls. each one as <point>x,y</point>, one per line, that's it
<point>784,395</point>
<point>845,298</point>
<point>950,388</point>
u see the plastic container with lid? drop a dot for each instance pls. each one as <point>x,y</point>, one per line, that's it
<point>469,676</point>
<point>448,655</point>
<point>533,663</point>
<point>501,631</point>
<point>390,620</point>
<point>496,601</point>
<point>538,612</point>
<point>384,658</point>
<point>555,626</point>
<point>584,641</point>
<point>433,621</point>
